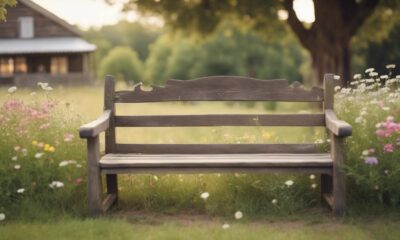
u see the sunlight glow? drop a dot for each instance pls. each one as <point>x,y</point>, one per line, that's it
<point>304,10</point>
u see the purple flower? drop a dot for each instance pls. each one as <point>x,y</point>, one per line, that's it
<point>371,160</point>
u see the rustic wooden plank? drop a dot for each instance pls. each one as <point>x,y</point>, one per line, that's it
<point>328,198</point>
<point>221,160</point>
<point>109,200</point>
<point>317,119</point>
<point>329,91</point>
<point>215,148</point>
<point>338,175</point>
<point>95,127</point>
<point>260,170</point>
<point>222,88</point>
<point>109,91</point>
<point>336,126</point>
<point>94,177</point>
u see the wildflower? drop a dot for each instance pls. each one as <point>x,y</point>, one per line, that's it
<point>24,151</point>
<point>386,172</point>
<point>78,181</point>
<point>12,89</point>
<point>312,176</point>
<point>63,164</point>
<point>39,155</point>
<point>17,166</point>
<point>357,76</point>
<point>21,190</point>
<point>56,184</point>
<point>2,216</point>
<point>319,141</point>
<point>359,119</point>
<point>78,165</point>
<point>390,66</point>
<point>17,148</point>
<point>369,70</point>
<point>155,178</point>
<point>68,137</point>
<point>373,74</point>
<point>365,153</point>
<point>385,108</point>
<point>51,149</point>
<point>15,158</point>
<point>390,119</point>
<point>34,142</point>
<point>204,195</point>
<point>226,226</point>
<point>337,88</point>
<point>314,185</point>
<point>371,160</point>
<point>336,77</point>
<point>289,183</point>
<point>238,215</point>
<point>384,77</point>
<point>274,201</point>
<point>40,144</point>
<point>388,147</point>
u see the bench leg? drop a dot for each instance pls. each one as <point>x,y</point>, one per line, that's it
<point>112,185</point>
<point>94,178</point>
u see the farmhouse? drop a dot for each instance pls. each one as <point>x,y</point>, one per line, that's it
<point>37,46</point>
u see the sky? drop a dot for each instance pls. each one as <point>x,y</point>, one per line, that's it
<point>96,13</point>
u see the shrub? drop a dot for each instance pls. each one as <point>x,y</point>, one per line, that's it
<point>124,64</point>
<point>41,164</point>
<point>371,105</point>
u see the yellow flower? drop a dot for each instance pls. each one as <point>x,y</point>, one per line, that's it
<point>46,146</point>
<point>34,142</point>
<point>51,149</point>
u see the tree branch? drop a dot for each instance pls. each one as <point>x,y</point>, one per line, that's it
<point>297,26</point>
<point>364,10</point>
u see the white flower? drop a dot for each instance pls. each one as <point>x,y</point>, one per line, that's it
<point>386,108</point>
<point>319,141</point>
<point>56,184</point>
<point>336,77</point>
<point>357,76</point>
<point>359,119</point>
<point>21,190</point>
<point>155,178</point>
<point>365,153</point>
<point>39,155</point>
<point>63,164</point>
<point>390,118</point>
<point>45,86</point>
<point>289,183</point>
<point>373,74</point>
<point>204,195</point>
<point>390,66</point>
<point>314,185</point>
<point>12,89</point>
<point>369,70</point>
<point>2,216</point>
<point>17,166</point>
<point>24,151</point>
<point>78,165</point>
<point>15,158</point>
<point>274,201</point>
<point>312,176</point>
<point>337,88</point>
<point>238,215</point>
<point>226,226</point>
<point>384,77</point>
<point>378,125</point>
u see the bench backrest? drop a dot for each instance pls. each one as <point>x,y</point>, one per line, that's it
<point>216,88</point>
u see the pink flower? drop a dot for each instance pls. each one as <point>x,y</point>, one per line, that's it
<point>388,147</point>
<point>78,181</point>
<point>17,148</point>
<point>68,137</point>
<point>380,133</point>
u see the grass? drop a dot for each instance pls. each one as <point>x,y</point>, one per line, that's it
<point>200,227</point>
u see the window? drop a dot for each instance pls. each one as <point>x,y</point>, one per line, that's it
<point>20,65</point>
<point>26,27</point>
<point>6,66</point>
<point>59,65</point>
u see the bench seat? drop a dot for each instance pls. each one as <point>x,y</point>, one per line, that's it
<point>316,162</point>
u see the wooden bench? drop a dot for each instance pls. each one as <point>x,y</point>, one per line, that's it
<point>150,158</point>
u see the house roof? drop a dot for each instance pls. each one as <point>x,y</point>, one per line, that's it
<point>45,45</point>
<point>50,15</point>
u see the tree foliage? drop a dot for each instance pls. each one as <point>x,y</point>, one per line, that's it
<point>3,5</point>
<point>123,63</point>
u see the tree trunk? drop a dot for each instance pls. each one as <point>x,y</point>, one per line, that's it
<point>331,57</point>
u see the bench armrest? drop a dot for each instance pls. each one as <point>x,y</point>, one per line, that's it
<point>337,127</point>
<point>97,126</point>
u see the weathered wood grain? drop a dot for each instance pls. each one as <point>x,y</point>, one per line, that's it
<point>338,127</point>
<point>329,91</point>
<point>109,200</point>
<point>95,127</point>
<point>222,88</point>
<point>214,148</point>
<point>338,176</point>
<point>221,120</point>
<point>94,177</point>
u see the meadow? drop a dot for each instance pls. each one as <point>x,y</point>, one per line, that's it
<point>48,188</point>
